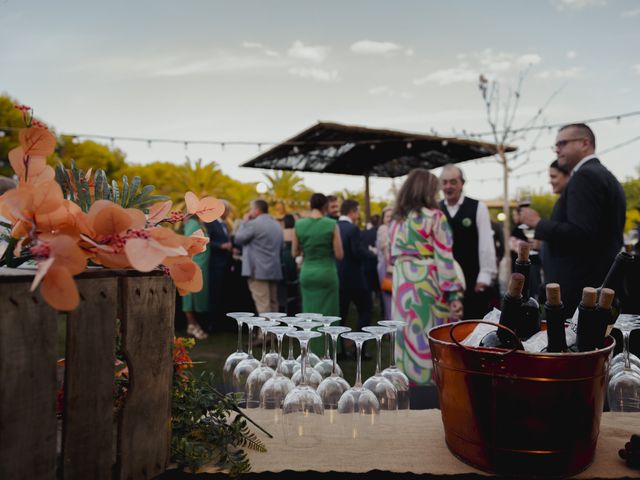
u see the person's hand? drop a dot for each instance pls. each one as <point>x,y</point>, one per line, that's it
<point>480,287</point>
<point>226,246</point>
<point>236,252</point>
<point>535,244</point>
<point>247,216</point>
<point>529,217</point>
<point>457,309</point>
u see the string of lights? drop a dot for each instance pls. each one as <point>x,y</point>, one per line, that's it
<point>259,144</point>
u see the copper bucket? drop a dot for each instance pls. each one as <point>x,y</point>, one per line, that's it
<point>513,412</point>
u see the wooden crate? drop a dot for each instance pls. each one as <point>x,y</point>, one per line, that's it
<point>94,443</point>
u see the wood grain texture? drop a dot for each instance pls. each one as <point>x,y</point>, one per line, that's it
<point>88,444</point>
<point>145,424</point>
<point>28,429</point>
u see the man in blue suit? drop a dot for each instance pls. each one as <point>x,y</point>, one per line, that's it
<point>219,264</point>
<point>353,283</point>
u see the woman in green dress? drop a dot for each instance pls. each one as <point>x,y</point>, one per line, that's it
<point>317,239</point>
<point>198,302</point>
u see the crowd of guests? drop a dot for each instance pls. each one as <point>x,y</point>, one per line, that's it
<point>426,261</point>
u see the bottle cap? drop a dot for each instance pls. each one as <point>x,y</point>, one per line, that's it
<point>523,252</point>
<point>515,285</point>
<point>606,298</point>
<point>589,295</point>
<point>553,294</point>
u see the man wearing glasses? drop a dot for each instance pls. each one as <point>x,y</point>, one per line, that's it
<point>584,233</point>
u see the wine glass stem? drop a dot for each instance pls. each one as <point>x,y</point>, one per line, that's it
<point>264,345</point>
<point>358,364</point>
<point>392,349</point>
<point>239,335</point>
<point>326,345</point>
<point>378,353</point>
<point>625,342</point>
<point>250,348</point>
<point>303,361</point>
<point>290,348</point>
<point>334,340</point>
<point>279,340</point>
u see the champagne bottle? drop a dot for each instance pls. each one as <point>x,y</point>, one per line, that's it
<point>605,310</point>
<point>510,315</point>
<point>615,280</point>
<point>589,324</point>
<point>554,310</point>
<point>530,322</point>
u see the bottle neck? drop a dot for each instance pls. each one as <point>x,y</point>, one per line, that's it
<point>556,336</point>
<point>525,269</point>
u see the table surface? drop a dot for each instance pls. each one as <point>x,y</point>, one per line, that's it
<point>413,442</point>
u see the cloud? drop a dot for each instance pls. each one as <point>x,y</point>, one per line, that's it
<point>630,13</point>
<point>252,45</point>
<point>577,4</point>
<point>259,46</point>
<point>370,47</point>
<point>529,59</point>
<point>311,53</point>
<point>571,54</point>
<point>566,73</point>
<point>448,76</point>
<point>387,91</point>
<point>636,68</point>
<point>315,73</point>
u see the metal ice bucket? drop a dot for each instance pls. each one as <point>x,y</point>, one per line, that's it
<point>512,412</point>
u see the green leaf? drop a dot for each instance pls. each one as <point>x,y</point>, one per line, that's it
<point>84,196</point>
<point>135,184</point>
<point>98,185</point>
<point>124,197</point>
<point>115,192</point>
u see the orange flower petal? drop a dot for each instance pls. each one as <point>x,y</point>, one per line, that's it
<point>67,253</point>
<point>143,255</point>
<point>36,163</point>
<point>182,269</point>
<point>158,212</point>
<point>194,284</point>
<point>41,270</point>
<point>37,141</point>
<point>191,201</point>
<point>209,209</point>
<point>166,237</point>
<point>48,173</point>
<point>111,219</point>
<point>138,218</point>
<point>46,197</point>
<point>59,289</point>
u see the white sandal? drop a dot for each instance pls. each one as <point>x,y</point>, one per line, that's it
<point>196,332</point>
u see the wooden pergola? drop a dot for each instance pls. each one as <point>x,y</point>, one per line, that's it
<point>353,150</point>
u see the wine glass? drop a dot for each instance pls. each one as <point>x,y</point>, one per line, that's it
<point>358,402</point>
<point>260,375</point>
<point>236,357</point>
<point>326,365</point>
<point>302,408</point>
<point>249,364</point>
<point>333,386</point>
<point>310,317</point>
<point>380,385</point>
<point>392,372</point>
<point>272,356</point>
<point>288,365</point>
<point>313,376</point>
<point>277,387</point>
<point>624,387</point>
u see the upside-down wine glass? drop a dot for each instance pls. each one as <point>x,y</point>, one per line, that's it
<point>310,317</point>
<point>326,365</point>
<point>288,365</point>
<point>302,408</point>
<point>236,357</point>
<point>332,387</point>
<point>313,377</point>
<point>275,390</point>
<point>272,356</point>
<point>392,372</point>
<point>260,375</point>
<point>249,364</point>
<point>624,387</point>
<point>380,385</point>
<point>359,404</point>
<point>617,362</point>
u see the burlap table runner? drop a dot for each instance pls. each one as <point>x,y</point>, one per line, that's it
<point>415,444</point>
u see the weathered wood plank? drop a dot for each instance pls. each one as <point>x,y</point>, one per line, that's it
<point>147,337</point>
<point>88,444</point>
<point>28,429</point>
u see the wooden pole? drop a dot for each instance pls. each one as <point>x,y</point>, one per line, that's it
<point>367,199</point>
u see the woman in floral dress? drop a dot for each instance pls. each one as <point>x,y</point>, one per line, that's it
<point>427,290</point>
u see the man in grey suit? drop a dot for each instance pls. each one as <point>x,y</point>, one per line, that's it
<point>261,237</point>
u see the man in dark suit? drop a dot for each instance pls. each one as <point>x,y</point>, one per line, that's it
<point>353,283</point>
<point>219,263</point>
<point>584,233</point>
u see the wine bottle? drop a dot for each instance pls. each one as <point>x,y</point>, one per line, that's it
<point>530,322</point>
<point>510,315</point>
<point>615,280</point>
<point>554,312</point>
<point>605,310</point>
<point>588,327</point>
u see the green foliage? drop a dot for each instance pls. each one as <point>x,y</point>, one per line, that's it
<point>89,154</point>
<point>204,429</point>
<point>12,118</point>
<point>80,188</point>
<point>543,203</point>
<point>631,189</point>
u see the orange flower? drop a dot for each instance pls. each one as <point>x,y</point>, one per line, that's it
<point>207,208</point>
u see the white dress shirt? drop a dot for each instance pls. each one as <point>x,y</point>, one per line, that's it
<point>344,218</point>
<point>486,247</point>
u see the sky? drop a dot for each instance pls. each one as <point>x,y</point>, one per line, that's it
<point>264,70</point>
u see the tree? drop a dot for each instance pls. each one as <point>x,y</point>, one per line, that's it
<point>501,113</point>
<point>89,154</point>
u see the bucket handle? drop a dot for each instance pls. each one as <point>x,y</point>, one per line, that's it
<point>472,349</point>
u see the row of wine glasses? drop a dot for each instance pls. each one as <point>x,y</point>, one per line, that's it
<point>623,388</point>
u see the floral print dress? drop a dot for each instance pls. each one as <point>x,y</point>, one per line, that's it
<point>425,282</point>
